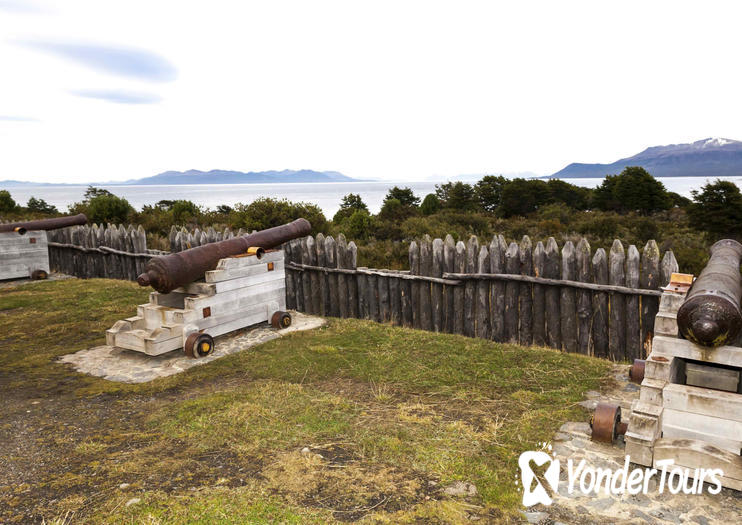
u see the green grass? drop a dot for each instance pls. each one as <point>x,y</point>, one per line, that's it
<point>390,416</point>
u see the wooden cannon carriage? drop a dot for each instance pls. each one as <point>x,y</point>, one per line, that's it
<point>690,404</point>
<point>24,248</point>
<point>241,285</point>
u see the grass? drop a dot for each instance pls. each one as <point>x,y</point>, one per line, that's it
<point>353,421</point>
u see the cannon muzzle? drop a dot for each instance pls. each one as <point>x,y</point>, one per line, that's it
<point>45,224</point>
<point>710,314</point>
<point>168,272</point>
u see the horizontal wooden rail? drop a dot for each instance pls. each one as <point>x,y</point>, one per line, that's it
<point>367,271</point>
<point>100,249</point>
<point>551,282</point>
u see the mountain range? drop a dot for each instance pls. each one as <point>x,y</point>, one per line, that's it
<point>712,157</point>
<point>241,177</point>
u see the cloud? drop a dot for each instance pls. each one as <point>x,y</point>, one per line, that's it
<point>123,61</point>
<point>17,118</point>
<point>20,6</point>
<point>118,96</point>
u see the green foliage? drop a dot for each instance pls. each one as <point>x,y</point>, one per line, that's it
<point>404,195</point>
<point>394,211</point>
<point>570,195</point>
<point>350,204</point>
<point>489,192</point>
<point>634,189</point>
<point>457,196</point>
<point>7,204</point>
<point>359,225</point>
<point>431,204</point>
<point>522,196</point>
<point>109,208</point>
<point>35,205</point>
<point>717,210</point>
<point>266,213</point>
<point>184,211</point>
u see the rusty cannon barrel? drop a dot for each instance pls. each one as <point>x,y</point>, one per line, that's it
<point>168,272</point>
<point>45,224</point>
<point>711,314</point>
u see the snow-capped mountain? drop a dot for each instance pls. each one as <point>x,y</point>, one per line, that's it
<point>712,157</point>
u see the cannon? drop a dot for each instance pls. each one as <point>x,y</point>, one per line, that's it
<point>208,291</point>
<point>24,246</point>
<point>45,224</point>
<point>168,272</point>
<point>710,314</point>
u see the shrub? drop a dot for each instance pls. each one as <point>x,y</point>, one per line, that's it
<point>431,204</point>
<point>7,204</point>
<point>266,213</point>
<point>717,210</point>
<point>35,205</point>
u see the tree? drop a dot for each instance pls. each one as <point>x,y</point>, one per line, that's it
<point>107,207</point>
<point>394,211</point>
<point>7,204</point>
<point>457,195</point>
<point>634,189</point>
<point>184,211</point>
<point>573,196</point>
<point>359,225</point>
<point>265,213</point>
<point>430,205</point>
<point>404,195</point>
<point>523,196</point>
<point>717,209</point>
<point>349,205</point>
<point>489,192</point>
<point>40,206</point>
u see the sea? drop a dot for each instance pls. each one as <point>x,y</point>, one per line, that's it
<point>326,195</point>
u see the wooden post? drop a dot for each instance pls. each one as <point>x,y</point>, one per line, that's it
<point>342,282</point>
<point>352,263</point>
<point>307,285</point>
<point>290,278</point>
<point>324,291</point>
<point>512,265</point>
<point>174,247</point>
<point>385,307</point>
<point>568,300</point>
<point>458,292</point>
<point>197,238</point>
<point>584,298</point>
<point>333,306</point>
<point>668,267</point>
<point>525,299</point>
<point>497,289</point>
<point>414,256</point>
<point>449,256</point>
<point>633,328</point>
<point>539,299</point>
<point>600,305</point>
<point>296,251</point>
<point>649,280</point>
<point>426,268</point>
<point>470,287</point>
<point>617,318</point>
<point>483,289</point>
<point>437,289</point>
<point>552,271</point>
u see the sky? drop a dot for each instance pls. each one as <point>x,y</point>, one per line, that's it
<point>399,90</point>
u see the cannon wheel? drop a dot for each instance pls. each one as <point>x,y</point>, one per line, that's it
<point>636,372</point>
<point>39,275</point>
<point>606,423</point>
<point>198,345</point>
<point>281,319</point>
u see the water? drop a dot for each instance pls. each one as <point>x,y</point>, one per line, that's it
<point>326,195</point>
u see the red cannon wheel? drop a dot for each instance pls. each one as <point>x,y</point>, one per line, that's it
<point>606,423</point>
<point>198,345</point>
<point>636,372</point>
<point>281,320</point>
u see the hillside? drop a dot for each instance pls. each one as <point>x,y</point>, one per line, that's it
<point>712,157</point>
<point>240,177</point>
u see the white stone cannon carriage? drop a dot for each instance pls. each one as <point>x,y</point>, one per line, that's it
<point>243,290</point>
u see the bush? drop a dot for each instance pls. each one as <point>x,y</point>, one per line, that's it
<point>349,205</point>
<point>634,189</point>
<point>266,213</point>
<point>359,225</point>
<point>717,210</point>
<point>431,204</point>
<point>7,204</point>
<point>35,205</point>
<point>457,196</point>
<point>108,208</point>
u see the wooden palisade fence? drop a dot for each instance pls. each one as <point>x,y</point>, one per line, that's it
<point>576,300</point>
<point>599,303</point>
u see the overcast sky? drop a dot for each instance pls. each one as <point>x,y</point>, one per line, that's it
<point>96,91</point>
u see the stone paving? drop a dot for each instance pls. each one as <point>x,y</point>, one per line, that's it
<point>573,442</point>
<point>128,366</point>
